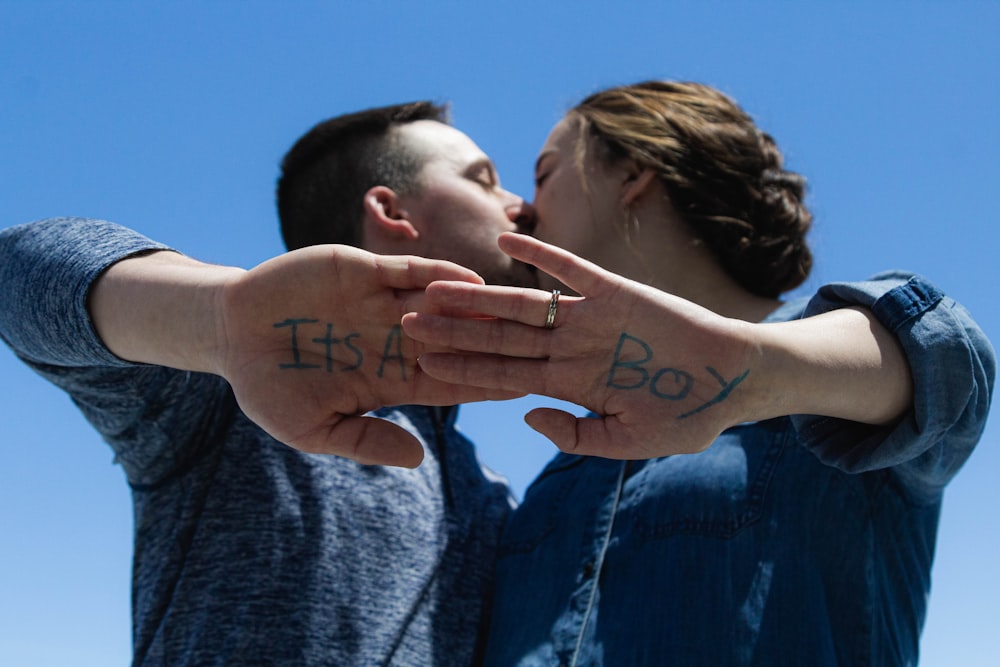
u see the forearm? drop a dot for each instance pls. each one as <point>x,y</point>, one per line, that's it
<point>47,269</point>
<point>162,308</point>
<point>841,364</point>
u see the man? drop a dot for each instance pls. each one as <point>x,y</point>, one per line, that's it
<point>248,551</point>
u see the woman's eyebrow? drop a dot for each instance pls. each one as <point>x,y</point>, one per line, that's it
<point>541,158</point>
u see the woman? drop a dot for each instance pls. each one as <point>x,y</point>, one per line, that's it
<point>799,526</point>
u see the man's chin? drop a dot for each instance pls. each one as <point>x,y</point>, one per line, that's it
<point>517,275</point>
<point>547,283</point>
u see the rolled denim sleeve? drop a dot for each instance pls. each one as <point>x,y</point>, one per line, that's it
<point>153,417</point>
<point>953,367</point>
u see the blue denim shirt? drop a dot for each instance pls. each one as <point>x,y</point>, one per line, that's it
<point>794,541</point>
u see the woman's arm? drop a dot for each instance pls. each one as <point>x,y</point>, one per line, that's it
<point>667,376</point>
<point>843,363</point>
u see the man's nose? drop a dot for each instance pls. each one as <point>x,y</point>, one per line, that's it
<point>522,214</point>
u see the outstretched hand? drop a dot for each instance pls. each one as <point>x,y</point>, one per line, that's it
<point>312,341</point>
<point>666,375</point>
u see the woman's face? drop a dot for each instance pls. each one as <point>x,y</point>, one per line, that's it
<point>568,215</point>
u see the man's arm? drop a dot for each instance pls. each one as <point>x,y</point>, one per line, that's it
<point>309,341</point>
<point>154,418</point>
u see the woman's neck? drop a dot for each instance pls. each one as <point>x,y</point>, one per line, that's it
<point>664,255</point>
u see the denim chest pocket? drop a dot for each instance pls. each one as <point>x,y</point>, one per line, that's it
<point>543,506</point>
<point>717,492</point>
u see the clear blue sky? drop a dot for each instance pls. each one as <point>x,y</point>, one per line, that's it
<point>171,117</point>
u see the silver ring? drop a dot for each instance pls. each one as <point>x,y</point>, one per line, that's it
<point>550,319</point>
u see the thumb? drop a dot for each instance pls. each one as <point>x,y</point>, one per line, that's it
<point>558,426</point>
<point>367,440</point>
<point>586,436</point>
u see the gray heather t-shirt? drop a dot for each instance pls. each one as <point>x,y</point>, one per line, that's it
<point>248,552</point>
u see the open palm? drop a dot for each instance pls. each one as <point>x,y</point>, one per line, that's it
<point>664,374</point>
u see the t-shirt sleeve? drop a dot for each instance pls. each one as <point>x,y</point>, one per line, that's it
<point>154,418</point>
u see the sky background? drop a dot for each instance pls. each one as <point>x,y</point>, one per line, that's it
<point>172,117</point>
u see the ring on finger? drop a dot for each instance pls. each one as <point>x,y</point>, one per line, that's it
<point>550,319</point>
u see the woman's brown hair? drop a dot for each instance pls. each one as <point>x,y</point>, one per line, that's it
<point>724,176</point>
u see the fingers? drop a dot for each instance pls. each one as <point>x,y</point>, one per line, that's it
<point>510,303</point>
<point>409,272</point>
<point>477,335</point>
<point>517,304</point>
<point>433,391</point>
<point>575,272</point>
<point>524,376</point>
<point>416,301</point>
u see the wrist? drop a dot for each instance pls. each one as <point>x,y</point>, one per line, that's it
<point>163,309</point>
<point>762,395</point>
<point>840,364</point>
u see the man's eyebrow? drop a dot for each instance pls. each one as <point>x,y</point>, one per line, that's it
<point>482,162</point>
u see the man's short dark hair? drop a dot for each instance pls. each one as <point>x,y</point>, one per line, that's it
<point>326,173</point>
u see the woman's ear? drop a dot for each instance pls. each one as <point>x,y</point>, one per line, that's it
<point>637,183</point>
<point>384,217</point>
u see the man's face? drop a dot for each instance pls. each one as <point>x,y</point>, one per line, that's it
<point>460,208</point>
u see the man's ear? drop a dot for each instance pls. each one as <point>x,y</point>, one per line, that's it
<point>637,183</point>
<point>384,215</point>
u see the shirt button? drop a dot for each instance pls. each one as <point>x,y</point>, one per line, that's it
<point>588,569</point>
